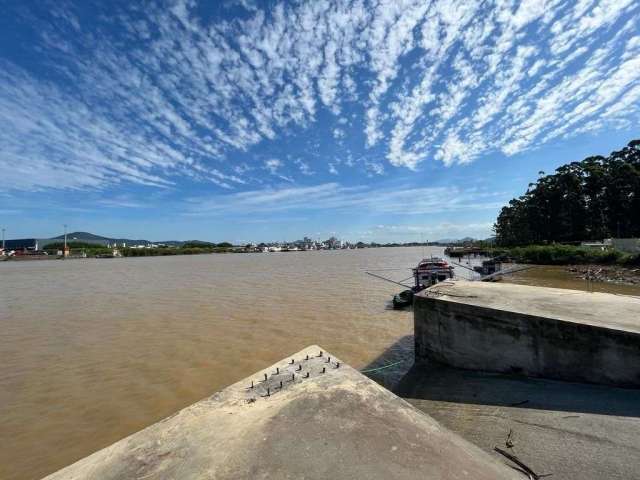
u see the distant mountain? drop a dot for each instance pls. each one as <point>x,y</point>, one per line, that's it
<point>98,239</point>
<point>455,240</point>
<point>80,236</point>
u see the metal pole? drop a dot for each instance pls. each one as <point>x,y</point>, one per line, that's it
<point>3,239</point>
<point>388,280</point>
<point>64,252</point>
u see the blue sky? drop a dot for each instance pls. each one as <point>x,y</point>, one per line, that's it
<point>259,121</point>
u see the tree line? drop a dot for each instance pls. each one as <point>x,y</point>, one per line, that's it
<point>596,198</point>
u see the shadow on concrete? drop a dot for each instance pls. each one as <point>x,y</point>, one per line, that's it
<point>393,364</point>
<point>440,383</point>
<point>395,370</point>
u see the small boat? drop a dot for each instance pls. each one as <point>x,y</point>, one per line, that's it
<point>403,299</point>
<point>489,267</point>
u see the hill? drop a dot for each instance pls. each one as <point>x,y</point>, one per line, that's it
<point>98,239</point>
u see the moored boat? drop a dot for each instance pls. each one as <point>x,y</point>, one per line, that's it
<point>403,299</point>
<point>432,270</point>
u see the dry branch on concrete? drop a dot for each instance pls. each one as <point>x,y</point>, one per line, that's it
<point>524,468</point>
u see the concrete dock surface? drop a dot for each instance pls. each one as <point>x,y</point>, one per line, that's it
<point>606,310</point>
<point>313,418</point>
<point>571,430</point>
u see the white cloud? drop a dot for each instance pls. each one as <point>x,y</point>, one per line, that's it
<point>273,165</point>
<point>449,80</point>
<point>433,232</point>
<point>304,167</point>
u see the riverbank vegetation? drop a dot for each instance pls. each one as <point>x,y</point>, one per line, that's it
<point>594,199</point>
<point>567,255</point>
<point>186,249</point>
<point>89,248</point>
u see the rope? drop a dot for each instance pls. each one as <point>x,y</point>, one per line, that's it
<point>381,368</point>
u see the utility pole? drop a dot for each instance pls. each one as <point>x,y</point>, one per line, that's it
<point>3,239</point>
<point>64,252</point>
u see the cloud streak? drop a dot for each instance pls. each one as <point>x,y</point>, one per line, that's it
<point>162,95</point>
<point>335,197</point>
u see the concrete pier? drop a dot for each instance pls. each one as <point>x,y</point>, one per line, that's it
<point>575,431</point>
<point>535,331</point>
<point>309,416</point>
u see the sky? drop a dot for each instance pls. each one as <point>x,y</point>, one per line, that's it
<point>267,121</point>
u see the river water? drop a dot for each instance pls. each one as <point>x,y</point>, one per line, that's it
<point>93,350</point>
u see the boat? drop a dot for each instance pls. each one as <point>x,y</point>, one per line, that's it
<point>489,267</point>
<point>403,299</point>
<point>431,271</point>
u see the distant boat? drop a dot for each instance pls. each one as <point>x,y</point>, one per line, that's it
<point>489,267</point>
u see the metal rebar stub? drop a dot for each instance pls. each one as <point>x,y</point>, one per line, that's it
<point>288,374</point>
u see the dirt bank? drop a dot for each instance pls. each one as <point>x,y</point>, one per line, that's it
<point>606,273</point>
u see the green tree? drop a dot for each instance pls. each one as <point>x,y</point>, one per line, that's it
<point>596,198</point>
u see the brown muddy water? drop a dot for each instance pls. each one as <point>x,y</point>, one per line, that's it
<point>93,350</point>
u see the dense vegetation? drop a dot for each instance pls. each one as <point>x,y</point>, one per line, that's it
<point>567,254</point>
<point>89,248</point>
<point>596,198</point>
<point>184,250</point>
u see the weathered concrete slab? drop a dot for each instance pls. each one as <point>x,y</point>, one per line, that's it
<point>332,425</point>
<point>571,430</point>
<point>499,327</point>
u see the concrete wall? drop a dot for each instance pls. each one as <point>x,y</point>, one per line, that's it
<point>482,338</point>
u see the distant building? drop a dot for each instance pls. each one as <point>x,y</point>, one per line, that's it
<point>30,244</point>
<point>595,245</point>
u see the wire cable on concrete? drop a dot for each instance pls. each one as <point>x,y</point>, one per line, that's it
<point>381,368</point>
